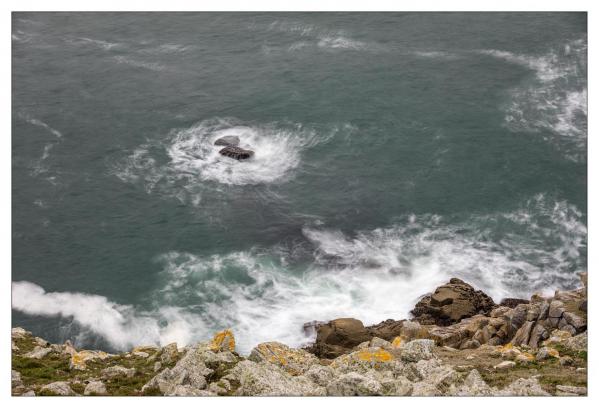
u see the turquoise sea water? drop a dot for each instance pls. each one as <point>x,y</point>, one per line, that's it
<point>393,151</point>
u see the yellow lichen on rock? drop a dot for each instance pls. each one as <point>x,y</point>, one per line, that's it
<point>79,358</point>
<point>396,342</point>
<point>378,356</point>
<point>294,361</point>
<point>525,357</point>
<point>223,341</point>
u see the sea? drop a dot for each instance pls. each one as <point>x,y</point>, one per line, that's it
<point>393,151</point>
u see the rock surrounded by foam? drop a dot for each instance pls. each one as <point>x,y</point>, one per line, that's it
<point>236,153</point>
<point>227,141</point>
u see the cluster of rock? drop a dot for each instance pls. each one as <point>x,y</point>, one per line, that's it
<point>478,349</point>
<point>458,316</point>
<point>232,148</point>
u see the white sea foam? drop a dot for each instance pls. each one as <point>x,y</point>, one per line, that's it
<point>152,66</point>
<point>342,42</point>
<point>121,325</point>
<point>105,45</point>
<point>372,276</point>
<point>556,102</point>
<point>435,54</point>
<point>313,36</point>
<point>277,152</point>
<point>546,66</point>
<point>37,122</point>
<point>21,36</point>
<point>170,48</point>
<point>193,159</point>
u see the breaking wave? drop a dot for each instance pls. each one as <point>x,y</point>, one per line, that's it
<point>121,325</point>
<point>555,103</point>
<point>267,294</point>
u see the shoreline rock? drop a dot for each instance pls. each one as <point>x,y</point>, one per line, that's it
<point>489,350</point>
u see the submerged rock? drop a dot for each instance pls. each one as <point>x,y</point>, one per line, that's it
<point>227,141</point>
<point>236,153</point>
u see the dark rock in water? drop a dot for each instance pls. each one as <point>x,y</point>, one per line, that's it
<point>236,153</point>
<point>513,302</point>
<point>451,303</point>
<point>227,141</point>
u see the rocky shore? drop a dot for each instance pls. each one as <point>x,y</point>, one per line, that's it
<point>459,342</point>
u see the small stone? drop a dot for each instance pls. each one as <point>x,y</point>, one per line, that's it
<point>16,378</point>
<point>29,393</point>
<point>378,342</point>
<point>504,365</point>
<point>19,333</point>
<point>157,366</point>
<point>581,370</point>
<point>500,311</point>
<point>570,390</point>
<point>169,353</point>
<point>473,385</point>
<point>118,371</point>
<point>141,354</point>
<point>58,388</point>
<point>470,357</point>
<point>577,343</point>
<point>525,358</point>
<point>80,358</point>
<point>95,388</point>
<point>566,361</point>
<point>524,387</point>
<point>579,323</point>
<point>40,342</point>
<point>547,352</point>
<point>417,350</point>
<point>469,344</point>
<point>38,352</point>
<point>556,309</point>
<point>463,368</point>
